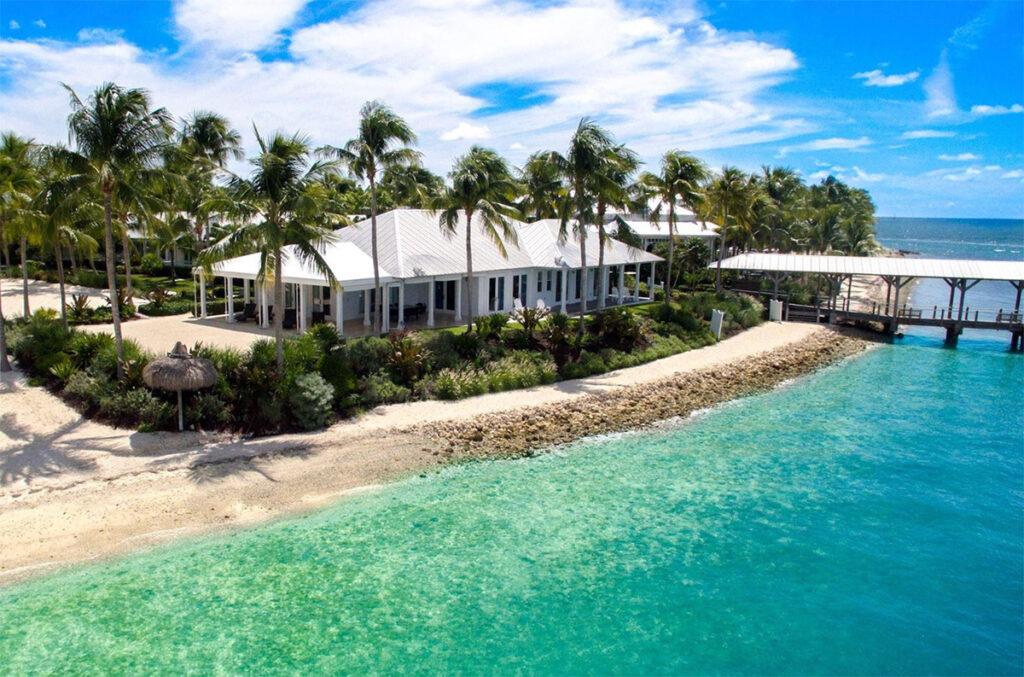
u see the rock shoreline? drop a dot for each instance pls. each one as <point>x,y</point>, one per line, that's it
<point>526,432</point>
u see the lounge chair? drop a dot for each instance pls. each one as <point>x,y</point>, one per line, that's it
<point>289,318</point>
<point>541,305</point>
<point>517,304</point>
<point>248,313</point>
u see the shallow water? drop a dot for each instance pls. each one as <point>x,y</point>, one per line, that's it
<point>861,520</point>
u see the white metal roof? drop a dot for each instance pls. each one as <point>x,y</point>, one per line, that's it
<point>411,244</point>
<point>877,265</point>
<point>350,265</point>
<point>684,230</point>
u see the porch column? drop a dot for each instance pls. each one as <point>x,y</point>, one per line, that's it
<point>565,289</point>
<point>229,292</point>
<point>366,307</point>
<point>458,300</point>
<point>622,283</point>
<point>385,307</point>
<point>202,294</point>
<point>339,311</point>
<point>245,290</point>
<point>401,305</point>
<point>650,282</point>
<point>300,308</point>
<point>431,302</point>
<point>264,309</point>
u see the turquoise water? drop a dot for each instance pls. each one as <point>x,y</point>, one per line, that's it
<point>821,528</point>
<point>867,519</point>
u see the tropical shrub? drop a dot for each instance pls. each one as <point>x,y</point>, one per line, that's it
<point>407,358</point>
<point>368,355</point>
<point>134,407</point>
<point>310,399</point>
<point>175,306</point>
<point>489,327</point>
<point>379,389</point>
<point>619,329</point>
<point>520,369</point>
<point>151,264</point>
<point>530,318</point>
<point>78,311</point>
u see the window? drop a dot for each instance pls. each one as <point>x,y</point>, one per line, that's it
<point>444,295</point>
<point>576,284</point>
<point>496,295</point>
<point>522,287</point>
<point>549,280</point>
<point>558,285</point>
<point>540,281</point>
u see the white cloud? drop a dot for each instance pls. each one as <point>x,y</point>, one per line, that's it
<point>962,157</point>
<point>234,25</point>
<point>466,130</point>
<point>928,134</point>
<point>13,25</point>
<point>940,98</point>
<point>100,35</point>
<point>389,50</point>
<point>992,168</point>
<point>834,143</point>
<point>517,146</point>
<point>877,78</point>
<point>965,175</point>
<point>1013,174</point>
<point>40,23</point>
<point>860,175</point>
<point>996,110</point>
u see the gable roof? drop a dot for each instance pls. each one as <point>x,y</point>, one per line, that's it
<point>410,244</point>
<point>350,265</point>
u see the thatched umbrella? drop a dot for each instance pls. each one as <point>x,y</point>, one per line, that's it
<point>180,371</point>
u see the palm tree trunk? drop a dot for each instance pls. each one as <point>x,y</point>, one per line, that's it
<point>721,251</point>
<point>5,364</point>
<point>600,256</point>
<point>379,319</point>
<point>469,269</point>
<point>24,273</point>
<point>671,251</point>
<point>583,273</point>
<point>126,245</point>
<point>115,309</point>
<point>74,261</point>
<point>279,315</point>
<point>60,277</point>
<point>7,253</point>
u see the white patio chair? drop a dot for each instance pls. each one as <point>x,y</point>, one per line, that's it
<point>517,304</point>
<point>541,305</point>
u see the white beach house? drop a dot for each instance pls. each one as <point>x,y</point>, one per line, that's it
<point>650,232</point>
<point>423,274</point>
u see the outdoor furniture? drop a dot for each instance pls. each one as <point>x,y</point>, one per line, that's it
<point>289,318</point>
<point>248,313</point>
<point>180,371</point>
<point>541,305</point>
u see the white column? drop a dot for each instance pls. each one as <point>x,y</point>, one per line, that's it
<point>300,308</point>
<point>202,294</point>
<point>385,307</point>
<point>229,293</point>
<point>245,290</point>
<point>264,310</point>
<point>650,282</point>
<point>622,283</point>
<point>565,288</point>
<point>431,302</point>
<point>458,300</point>
<point>401,305</point>
<point>339,311</point>
<point>366,308</point>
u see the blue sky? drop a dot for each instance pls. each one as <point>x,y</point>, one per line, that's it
<point>922,103</point>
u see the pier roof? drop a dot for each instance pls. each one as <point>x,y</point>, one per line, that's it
<point>877,265</point>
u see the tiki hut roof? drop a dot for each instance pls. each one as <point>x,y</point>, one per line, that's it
<point>180,371</point>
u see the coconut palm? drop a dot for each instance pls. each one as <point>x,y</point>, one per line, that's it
<point>62,210</point>
<point>383,141</point>
<point>612,189</point>
<point>410,185</point>
<point>481,184</point>
<point>543,189</point>
<point>728,194</point>
<point>117,136</point>
<point>680,181</point>
<point>18,184</point>
<point>280,204</point>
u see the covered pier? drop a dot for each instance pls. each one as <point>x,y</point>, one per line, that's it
<point>959,274</point>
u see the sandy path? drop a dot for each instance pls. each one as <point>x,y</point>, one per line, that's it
<point>46,295</point>
<point>73,490</point>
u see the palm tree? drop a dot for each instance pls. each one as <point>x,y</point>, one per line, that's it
<point>482,184</point>
<point>582,168</point>
<point>543,189</point>
<point>117,136</point>
<point>383,141</point>
<point>728,193</point>
<point>612,190</point>
<point>18,184</point>
<point>5,364</point>
<point>680,181</point>
<point>62,210</point>
<point>282,203</point>
<point>411,185</point>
